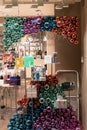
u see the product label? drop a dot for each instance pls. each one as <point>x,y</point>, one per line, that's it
<point>60,104</point>
<point>31,91</point>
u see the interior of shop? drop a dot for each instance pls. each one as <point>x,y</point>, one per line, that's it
<point>43,65</point>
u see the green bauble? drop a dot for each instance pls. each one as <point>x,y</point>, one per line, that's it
<point>16,25</point>
<point>41,100</point>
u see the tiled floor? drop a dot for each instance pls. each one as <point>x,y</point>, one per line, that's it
<point>10,97</point>
<point>3,124</point>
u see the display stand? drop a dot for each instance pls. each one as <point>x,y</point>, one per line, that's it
<point>73,96</point>
<point>25,81</point>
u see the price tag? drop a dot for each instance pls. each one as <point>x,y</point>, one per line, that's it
<point>60,103</point>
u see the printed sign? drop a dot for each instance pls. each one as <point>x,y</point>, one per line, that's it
<point>7,57</point>
<point>38,73</point>
<point>28,61</point>
<point>19,62</point>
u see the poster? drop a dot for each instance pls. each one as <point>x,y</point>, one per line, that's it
<point>19,62</point>
<point>7,57</point>
<point>38,73</point>
<point>28,61</point>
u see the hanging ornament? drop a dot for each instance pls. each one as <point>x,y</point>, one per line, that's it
<point>32,24</point>
<point>17,27</point>
<point>13,30</point>
<point>68,28</point>
<point>48,23</point>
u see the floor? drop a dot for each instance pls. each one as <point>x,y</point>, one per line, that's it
<point>9,97</point>
<point>3,124</point>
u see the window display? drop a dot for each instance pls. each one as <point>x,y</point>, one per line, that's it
<point>17,27</point>
<point>40,112</point>
<point>45,104</point>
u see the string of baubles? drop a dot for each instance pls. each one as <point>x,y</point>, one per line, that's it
<point>17,27</point>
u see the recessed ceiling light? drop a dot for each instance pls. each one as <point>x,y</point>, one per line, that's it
<point>8,6</point>
<point>34,6</point>
<point>38,10</point>
<point>65,6</point>
<point>58,7</point>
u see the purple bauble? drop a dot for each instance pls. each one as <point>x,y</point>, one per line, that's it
<point>49,109</point>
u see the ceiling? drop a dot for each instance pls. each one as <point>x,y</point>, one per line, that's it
<point>39,1</point>
<point>32,7</point>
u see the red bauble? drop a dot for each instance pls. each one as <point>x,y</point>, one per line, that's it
<point>76,42</point>
<point>73,18</point>
<point>64,17</point>
<point>77,23</point>
<point>72,40</point>
<point>77,19</point>
<point>69,34</point>
<point>57,18</point>
<point>74,35</point>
